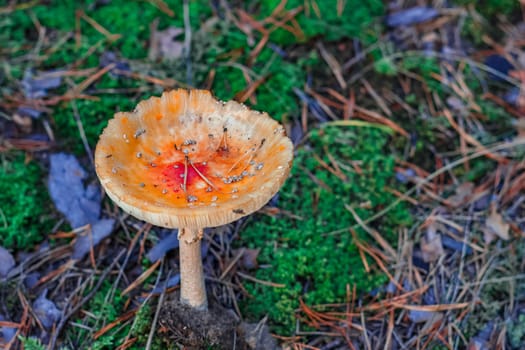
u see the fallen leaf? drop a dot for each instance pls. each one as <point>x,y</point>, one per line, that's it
<point>420,316</point>
<point>462,194</point>
<point>80,205</point>
<point>25,123</point>
<point>476,344</point>
<point>7,262</point>
<point>172,282</point>
<point>163,246</point>
<point>499,64</point>
<point>46,311</point>
<point>313,105</point>
<point>520,127</point>
<point>86,240</point>
<point>29,112</point>
<point>8,333</point>
<point>166,45</point>
<point>520,75</point>
<point>413,15</point>
<point>456,103</point>
<point>31,279</point>
<point>257,335</point>
<point>452,244</point>
<point>431,246</point>
<point>249,258</point>
<point>36,86</point>
<point>404,175</point>
<point>495,227</point>
<point>110,58</point>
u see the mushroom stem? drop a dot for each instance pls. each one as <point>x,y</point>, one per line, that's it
<point>192,289</point>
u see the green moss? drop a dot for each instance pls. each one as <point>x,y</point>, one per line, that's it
<point>130,19</point>
<point>276,96</point>
<point>325,18</point>
<point>23,203</point>
<point>303,254</point>
<point>93,114</point>
<point>103,311</point>
<point>229,80</point>
<point>31,343</point>
<point>516,332</point>
<point>492,8</point>
<point>224,50</point>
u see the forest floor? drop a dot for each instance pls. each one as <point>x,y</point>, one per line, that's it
<point>402,223</point>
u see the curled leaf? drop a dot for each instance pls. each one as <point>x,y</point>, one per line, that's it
<point>496,227</point>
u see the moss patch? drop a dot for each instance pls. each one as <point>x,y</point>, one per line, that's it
<point>23,203</point>
<point>305,255</point>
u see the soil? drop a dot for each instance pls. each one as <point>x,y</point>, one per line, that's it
<point>217,328</point>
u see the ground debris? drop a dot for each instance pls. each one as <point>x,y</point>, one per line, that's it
<point>7,262</point>
<point>199,329</point>
<point>249,258</point>
<point>431,245</point>
<point>424,70</point>
<point>166,44</point>
<point>47,312</point>
<point>171,282</point>
<point>257,335</point>
<point>7,333</point>
<point>496,227</point>
<point>91,237</point>
<point>418,316</point>
<point>110,57</point>
<point>166,244</point>
<point>411,16</point>
<point>78,203</point>
<point>36,86</point>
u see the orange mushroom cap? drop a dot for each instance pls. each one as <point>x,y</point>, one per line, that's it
<point>188,160</point>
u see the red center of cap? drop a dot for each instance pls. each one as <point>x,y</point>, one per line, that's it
<point>174,174</point>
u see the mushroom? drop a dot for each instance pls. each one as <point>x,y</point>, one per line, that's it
<point>188,161</point>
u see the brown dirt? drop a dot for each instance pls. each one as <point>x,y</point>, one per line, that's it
<point>217,328</point>
<point>200,329</point>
